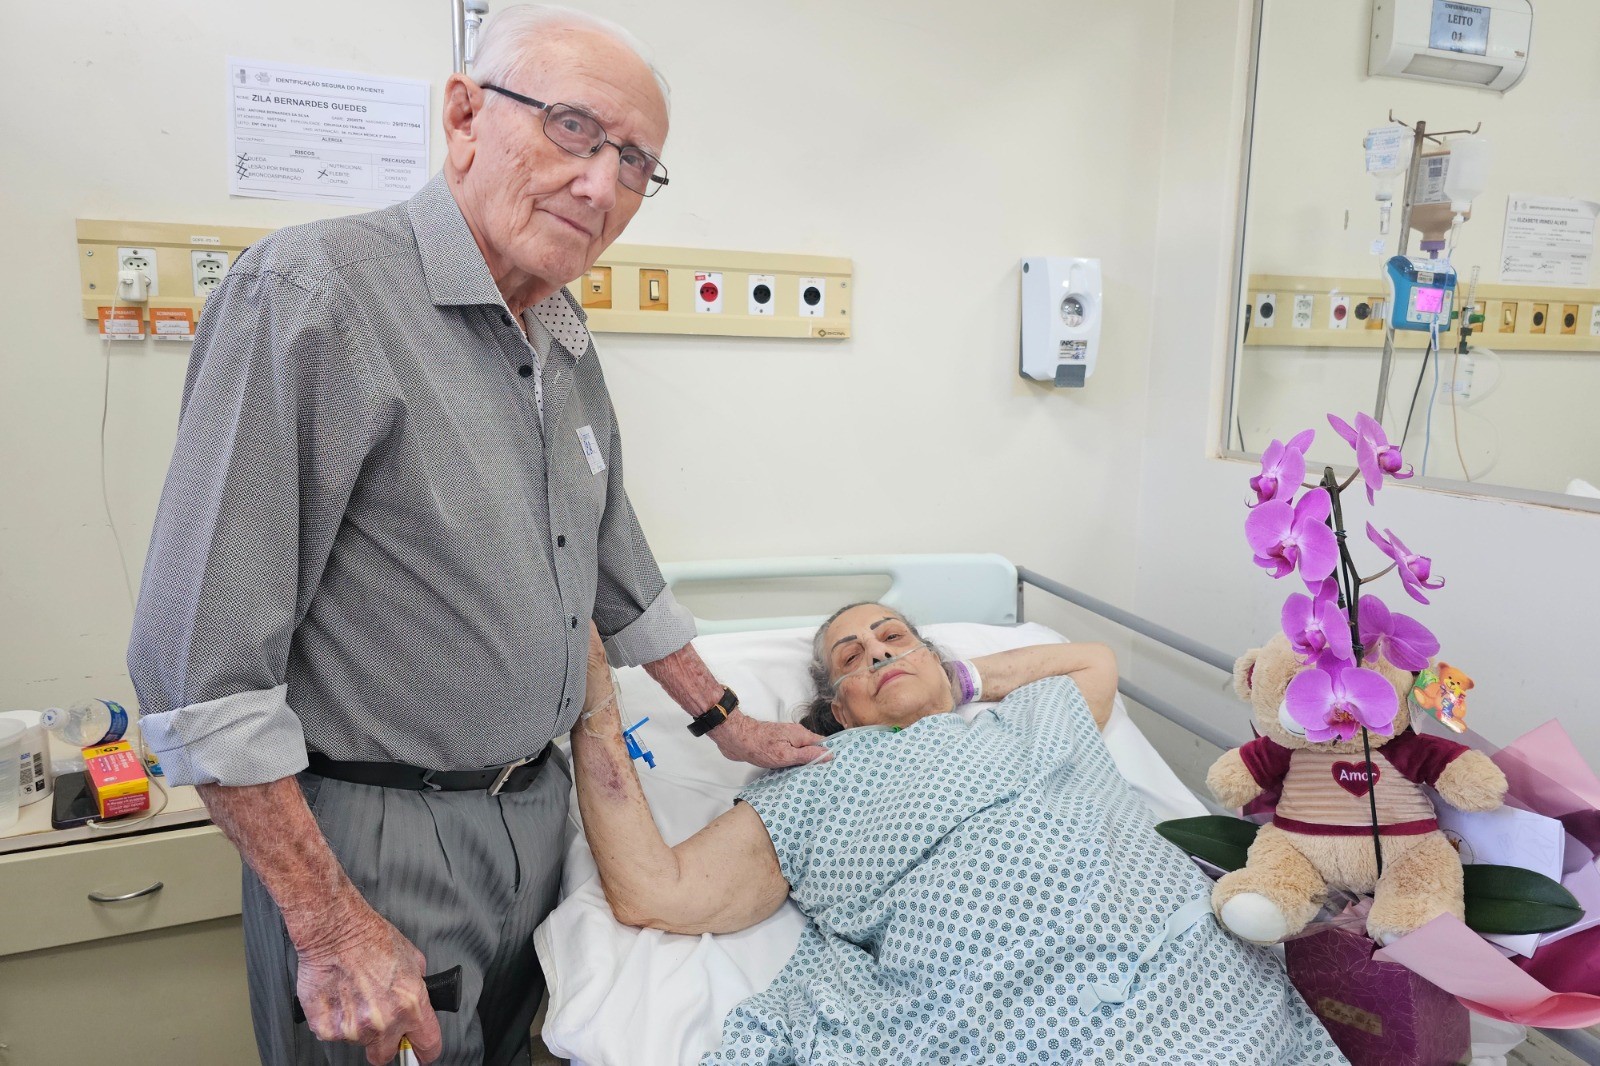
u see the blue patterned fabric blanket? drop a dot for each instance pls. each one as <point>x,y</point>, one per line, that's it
<point>995,893</point>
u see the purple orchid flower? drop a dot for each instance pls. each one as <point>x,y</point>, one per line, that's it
<point>1335,699</point>
<point>1414,569</point>
<point>1316,625</point>
<point>1285,538</point>
<point>1283,468</point>
<point>1402,640</point>
<point>1375,456</point>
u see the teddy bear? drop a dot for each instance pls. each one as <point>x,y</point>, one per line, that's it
<point>1321,832</point>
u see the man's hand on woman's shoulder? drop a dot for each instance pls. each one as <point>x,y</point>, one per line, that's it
<point>773,745</point>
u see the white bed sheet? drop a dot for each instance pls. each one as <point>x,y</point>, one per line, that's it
<point>629,997</point>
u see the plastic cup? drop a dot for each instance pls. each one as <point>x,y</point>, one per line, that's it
<point>11,734</point>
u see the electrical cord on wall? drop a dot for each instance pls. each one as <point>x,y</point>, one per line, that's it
<point>1433,396</point>
<point>105,494</point>
<point>1416,391</point>
<point>1455,412</point>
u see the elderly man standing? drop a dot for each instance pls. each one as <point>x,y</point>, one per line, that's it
<point>395,505</point>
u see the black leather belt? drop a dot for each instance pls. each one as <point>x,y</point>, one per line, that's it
<point>512,777</point>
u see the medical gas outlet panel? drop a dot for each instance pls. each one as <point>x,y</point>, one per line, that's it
<point>641,289</point>
<point>151,279</point>
<point>1290,311</point>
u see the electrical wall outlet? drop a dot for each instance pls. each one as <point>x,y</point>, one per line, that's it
<point>1303,304</point>
<point>139,261</point>
<point>708,292</point>
<point>1339,312</point>
<point>1569,319</point>
<point>1594,321</point>
<point>813,297</point>
<point>1541,317</point>
<point>1266,310</point>
<point>763,293</point>
<point>207,268</point>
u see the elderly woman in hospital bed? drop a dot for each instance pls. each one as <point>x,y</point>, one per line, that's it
<point>990,891</point>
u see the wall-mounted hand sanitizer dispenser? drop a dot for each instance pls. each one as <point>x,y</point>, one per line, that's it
<point>1060,320</point>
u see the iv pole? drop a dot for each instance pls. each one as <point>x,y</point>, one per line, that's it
<point>466,17</point>
<point>1420,135</point>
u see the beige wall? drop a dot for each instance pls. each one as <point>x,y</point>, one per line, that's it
<point>1316,103</point>
<point>853,137</point>
<point>1518,613</point>
<point>933,144</point>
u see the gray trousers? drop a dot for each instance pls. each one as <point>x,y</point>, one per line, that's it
<point>465,876</point>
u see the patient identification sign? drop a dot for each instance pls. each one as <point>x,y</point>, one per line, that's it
<point>302,133</point>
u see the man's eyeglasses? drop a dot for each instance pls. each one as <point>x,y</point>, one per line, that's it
<point>581,134</point>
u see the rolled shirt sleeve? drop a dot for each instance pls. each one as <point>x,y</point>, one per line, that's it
<point>279,413</point>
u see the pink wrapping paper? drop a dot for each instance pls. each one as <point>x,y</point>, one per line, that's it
<point>1448,954</point>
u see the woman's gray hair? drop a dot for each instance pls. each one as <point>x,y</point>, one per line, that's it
<point>511,36</point>
<point>818,716</point>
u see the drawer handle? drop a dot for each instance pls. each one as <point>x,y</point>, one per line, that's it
<point>95,897</point>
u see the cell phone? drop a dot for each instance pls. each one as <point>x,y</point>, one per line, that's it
<point>72,803</point>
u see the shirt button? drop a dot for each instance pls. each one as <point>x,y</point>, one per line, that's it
<point>561,541</point>
<point>567,702</point>
<point>574,621</point>
<point>525,370</point>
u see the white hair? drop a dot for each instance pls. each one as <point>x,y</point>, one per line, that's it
<point>512,34</point>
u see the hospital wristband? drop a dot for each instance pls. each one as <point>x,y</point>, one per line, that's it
<point>967,684</point>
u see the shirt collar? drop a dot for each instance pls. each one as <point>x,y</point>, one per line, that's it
<point>456,274</point>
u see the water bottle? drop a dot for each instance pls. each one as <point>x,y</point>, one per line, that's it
<point>86,724</point>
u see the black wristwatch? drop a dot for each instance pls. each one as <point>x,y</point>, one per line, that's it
<point>718,713</point>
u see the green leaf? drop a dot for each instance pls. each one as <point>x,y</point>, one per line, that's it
<point>1222,841</point>
<point>1509,899</point>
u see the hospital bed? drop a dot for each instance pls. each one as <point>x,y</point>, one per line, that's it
<point>620,996</point>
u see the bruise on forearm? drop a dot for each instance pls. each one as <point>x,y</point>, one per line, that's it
<point>687,679</point>
<point>276,835</point>
<point>637,868</point>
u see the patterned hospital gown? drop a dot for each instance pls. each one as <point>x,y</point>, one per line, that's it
<point>994,893</point>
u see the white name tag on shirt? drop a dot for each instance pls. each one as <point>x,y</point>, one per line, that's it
<point>591,449</point>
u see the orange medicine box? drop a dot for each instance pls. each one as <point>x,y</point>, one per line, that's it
<point>117,779</point>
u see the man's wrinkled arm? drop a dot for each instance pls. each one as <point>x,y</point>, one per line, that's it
<point>276,835</point>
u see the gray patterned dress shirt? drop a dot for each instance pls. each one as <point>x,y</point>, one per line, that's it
<point>373,542</point>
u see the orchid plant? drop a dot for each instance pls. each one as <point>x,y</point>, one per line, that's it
<point>1298,528</point>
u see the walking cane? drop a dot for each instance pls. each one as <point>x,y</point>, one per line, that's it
<point>444,994</point>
